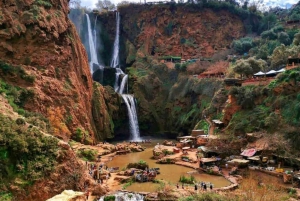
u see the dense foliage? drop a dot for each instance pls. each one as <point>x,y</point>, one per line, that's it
<point>25,152</point>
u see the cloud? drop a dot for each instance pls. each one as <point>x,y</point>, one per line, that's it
<point>88,3</point>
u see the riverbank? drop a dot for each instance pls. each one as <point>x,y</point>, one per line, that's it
<point>166,183</point>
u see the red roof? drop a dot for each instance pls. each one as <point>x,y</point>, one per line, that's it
<point>248,152</point>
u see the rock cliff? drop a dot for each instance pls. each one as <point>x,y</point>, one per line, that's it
<point>38,38</point>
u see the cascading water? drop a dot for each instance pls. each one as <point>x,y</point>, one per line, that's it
<point>119,88</point>
<point>133,120</point>
<point>118,73</point>
<point>93,54</point>
<point>115,59</point>
<point>123,84</point>
<point>95,32</point>
<point>122,196</point>
<point>94,63</point>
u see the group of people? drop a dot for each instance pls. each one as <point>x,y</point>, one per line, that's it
<point>203,186</point>
<point>97,177</point>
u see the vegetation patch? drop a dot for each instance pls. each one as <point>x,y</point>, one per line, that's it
<point>26,154</point>
<point>187,180</point>
<point>10,70</point>
<point>139,165</point>
<point>109,198</point>
<point>44,3</point>
<point>87,154</point>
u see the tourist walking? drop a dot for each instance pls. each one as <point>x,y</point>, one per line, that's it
<point>182,186</point>
<point>177,185</point>
<point>204,186</point>
<point>196,187</point>
<point>211,186</point>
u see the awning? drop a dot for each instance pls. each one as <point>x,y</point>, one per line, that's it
<point>185,141</point>
<point>216,121</point>
<point>259,73</point>
<point>254,158</point>
<point>248,152</point>
<point>208,160</point>
<point>281,70</point>
<point>271,72</point>
<point>240,161</point>
<point>186,137</point>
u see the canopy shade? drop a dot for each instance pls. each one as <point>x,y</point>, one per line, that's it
<point>271,72</point>
<point>281,70</point>
<point>259,73</point>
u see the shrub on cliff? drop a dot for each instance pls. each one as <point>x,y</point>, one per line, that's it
<point>25,153</point>
<point>87,154</point>
<point>19,71</point>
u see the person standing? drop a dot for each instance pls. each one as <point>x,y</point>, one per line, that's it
<point>196,187</point>
<point>211,186</point>
<point>204,186</point>
<point>107,176</point>
<point>177,186</point>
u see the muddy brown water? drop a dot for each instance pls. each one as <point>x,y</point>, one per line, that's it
<point>168,172</point>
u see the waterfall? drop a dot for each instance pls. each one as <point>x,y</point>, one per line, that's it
<point>123,83</point>
<point>119,88</point>
<point>115,59</point>
<point>122,196</point>
<point>94,63</point>
<point>118,73</point>
<point>133,120</point>
<point>93,54</point>
<point>95,33</point>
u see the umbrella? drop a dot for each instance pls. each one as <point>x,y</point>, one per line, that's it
<point>271,72</point>
<point>281,70</point>
<point>259,73</point>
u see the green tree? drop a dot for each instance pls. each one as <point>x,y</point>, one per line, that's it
<point>75,3</point>
<point>242,45</point>
<point>247,67</point>
<point>296,40</point>
<point>284,38</point>
<point>243,68</point>
<point>282,53</point>
<point>105,5</point>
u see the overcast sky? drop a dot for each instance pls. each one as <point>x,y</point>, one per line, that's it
<point>282,3</point>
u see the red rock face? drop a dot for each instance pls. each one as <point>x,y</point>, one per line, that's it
<point>183,31</point>
<point>42,40</point>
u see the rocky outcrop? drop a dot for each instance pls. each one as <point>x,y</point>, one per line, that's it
<point>105,106</point>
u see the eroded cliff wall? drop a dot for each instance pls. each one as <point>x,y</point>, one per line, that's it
<point>38,38</point>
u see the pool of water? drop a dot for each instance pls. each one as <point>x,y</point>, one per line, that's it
<point>168,172</point>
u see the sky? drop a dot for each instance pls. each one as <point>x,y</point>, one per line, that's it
<point>281,3</point>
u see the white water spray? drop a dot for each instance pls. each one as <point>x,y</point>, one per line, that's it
<point>115,59</point>
<point>123,84</point>
<point>118,73</point>
<point>133,119</point>
<point>122,196</point>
